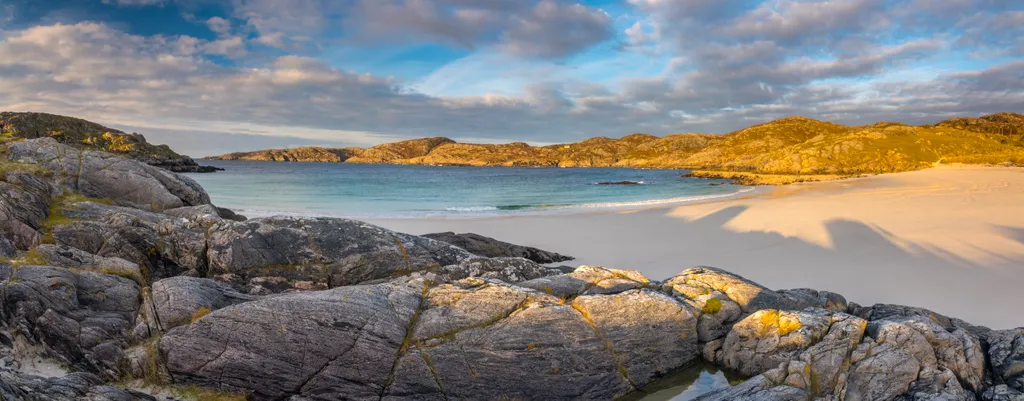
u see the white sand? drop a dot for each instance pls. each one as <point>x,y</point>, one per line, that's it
<point>950,239</point>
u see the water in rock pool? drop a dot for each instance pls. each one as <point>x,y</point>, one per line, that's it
<point>373,191</point>
<point>687,384</point>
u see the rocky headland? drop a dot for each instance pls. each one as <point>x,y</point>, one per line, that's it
<point>87,135</point>
<point>127,281</point>
<point>793,149</point>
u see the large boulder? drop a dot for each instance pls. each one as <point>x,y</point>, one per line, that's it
<point>81,318</point>
<point>408,338</point>
<point>492,248</point>
<point>104,175</point>
<point>340,341</point>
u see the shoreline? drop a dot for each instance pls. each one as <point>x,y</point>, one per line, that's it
<point>943,238</point>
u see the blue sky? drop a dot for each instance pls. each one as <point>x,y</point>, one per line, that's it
<point>211,76</point>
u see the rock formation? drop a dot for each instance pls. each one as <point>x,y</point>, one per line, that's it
<point>125,275</point>
<point>88,135</point>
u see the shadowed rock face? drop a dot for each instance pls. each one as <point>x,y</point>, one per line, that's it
<point>492,248</point>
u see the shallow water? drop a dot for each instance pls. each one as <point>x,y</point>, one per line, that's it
<point>687,384</point>
<point>376,191</point>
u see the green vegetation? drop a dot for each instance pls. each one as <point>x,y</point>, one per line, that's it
<point>196,393</point>
<point>55,214</point>
<point>793,149</point>
<point>32,257</point>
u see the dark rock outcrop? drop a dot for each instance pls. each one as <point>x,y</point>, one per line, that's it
<point>492,248</point>
<point>80,386</point>
<point>83,319</point>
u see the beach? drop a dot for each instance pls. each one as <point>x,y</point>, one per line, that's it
<point>950,239</point>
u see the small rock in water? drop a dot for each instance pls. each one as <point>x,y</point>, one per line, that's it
<point>621,183</point>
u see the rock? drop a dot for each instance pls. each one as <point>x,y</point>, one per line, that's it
<point>768,338</point>
<point>880,372</point>
<point>24,204</point>
<point>1002,392</point>
<point>749,296</point>
<point>104,175</point>
<point>177,301</point>
<point>340,341</point>
<point>229,214</point>
<point>588,280</point>
<point>193,212</point>
<point>621,183</point>
<point>492,248</point>
<point>334,252</point>
<point>509,270</point>
<point>73,387</point>
<point>82,318</point>
<point>77,259</point>
<point>405,339</point>
<point>937,349</point>
<point>1006,353</point>
<point>543,349</point>
<point>650,332</point>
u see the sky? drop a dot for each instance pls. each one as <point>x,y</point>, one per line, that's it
<point>213,76</point>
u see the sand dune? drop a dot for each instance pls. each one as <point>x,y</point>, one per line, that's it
<point>950,239</point>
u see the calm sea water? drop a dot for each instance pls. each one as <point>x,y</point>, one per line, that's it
<point>375,191</point>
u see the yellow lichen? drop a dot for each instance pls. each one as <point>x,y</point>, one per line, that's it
<point>203,311</point>
<point>712,306</point>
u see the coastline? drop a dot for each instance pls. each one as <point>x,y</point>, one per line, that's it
<point>885,244</point>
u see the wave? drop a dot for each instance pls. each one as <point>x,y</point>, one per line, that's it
<point>498,210</point>
<point>601,205</point>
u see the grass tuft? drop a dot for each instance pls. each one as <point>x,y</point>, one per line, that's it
<point>200,313</point>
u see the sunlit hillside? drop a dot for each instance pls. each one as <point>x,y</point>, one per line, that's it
<point>792,146</point>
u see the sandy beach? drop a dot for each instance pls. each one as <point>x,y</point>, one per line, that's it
<point>950,239</point>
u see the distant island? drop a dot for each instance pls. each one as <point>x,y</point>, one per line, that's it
<point>787,150</point>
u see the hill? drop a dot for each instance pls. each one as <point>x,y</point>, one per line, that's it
<point>781,151</point>
<point>89,135</point>
<point>1009,124</point>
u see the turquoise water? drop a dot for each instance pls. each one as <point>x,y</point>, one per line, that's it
<point>375,191</point>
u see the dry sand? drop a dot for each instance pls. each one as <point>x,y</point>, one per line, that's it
<point>950,239</point>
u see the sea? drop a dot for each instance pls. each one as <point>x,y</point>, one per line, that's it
<point>398,191</point>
